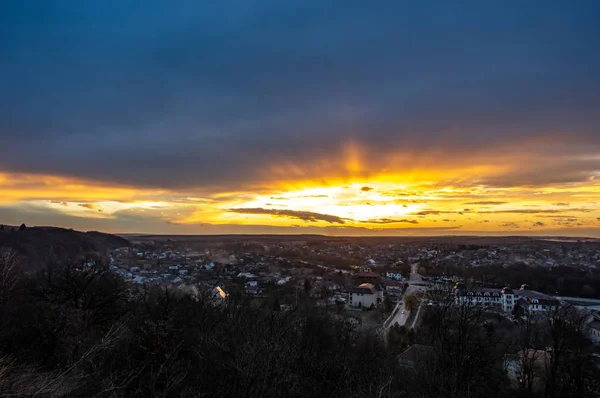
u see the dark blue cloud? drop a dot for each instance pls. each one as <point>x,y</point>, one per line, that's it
<point>189,93</point>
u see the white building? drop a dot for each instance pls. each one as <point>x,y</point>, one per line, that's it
<point>530,301</point>
<point>537,304</point>
<point>397,276</point>
<point>365,295</point>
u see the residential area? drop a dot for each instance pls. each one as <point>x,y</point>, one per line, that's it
<point>377,284</point>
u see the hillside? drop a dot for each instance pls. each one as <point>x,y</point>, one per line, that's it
<point>37,244</point>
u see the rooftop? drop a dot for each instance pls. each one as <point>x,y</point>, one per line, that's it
<point>368,288</point>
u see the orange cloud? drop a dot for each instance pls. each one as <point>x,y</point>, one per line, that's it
<point>379,201</point>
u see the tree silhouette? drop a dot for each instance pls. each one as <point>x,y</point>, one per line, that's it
<point>22,227</point>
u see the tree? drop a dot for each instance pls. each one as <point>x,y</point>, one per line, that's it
<point>400,338</point>
<point>388,305</point>
<point>1,227</point>
<point>22,227</point>
<point>463,355</point>
<point>276,304</point>
<point>9,270</point>
<point>569,372</point>
<point>422,271</point>
<point>307,285</point>
<point>411,302</point>
<point>588,291</point>
<point>531,353</point>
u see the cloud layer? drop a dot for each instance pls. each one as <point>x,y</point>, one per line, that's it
<point>219,93</point>
<point>187,113</point>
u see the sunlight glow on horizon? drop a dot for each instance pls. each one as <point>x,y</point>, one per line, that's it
<point>381,202</point>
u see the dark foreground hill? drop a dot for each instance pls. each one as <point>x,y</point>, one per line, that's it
<point>38,245</point>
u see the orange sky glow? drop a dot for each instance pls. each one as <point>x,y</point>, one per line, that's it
<point>352,198</point>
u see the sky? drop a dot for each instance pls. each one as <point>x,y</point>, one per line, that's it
<point>301,116</point>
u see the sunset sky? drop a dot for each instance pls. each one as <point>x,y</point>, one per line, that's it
<point>301,116</point>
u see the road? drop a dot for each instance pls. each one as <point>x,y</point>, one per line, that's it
<point>400,314</point>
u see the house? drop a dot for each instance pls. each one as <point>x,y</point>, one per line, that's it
<point>246,275</point>
<point>594,331</point>
<point>334,287</point>
<point>365,295</point>
<point>397,276</point>
<point>366,277</point>
<point>395,288</point>
<point>218,295</point>
<point>252,287</point>
<point>593,327</point>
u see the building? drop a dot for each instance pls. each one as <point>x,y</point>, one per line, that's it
<point>529,301</point>
<point>532,302</point>
<point>499,298</point>
<point>219,295</point>
<point>366,277</point>
<point>593,327</point>
<point>397,276</point>
<point>395,288</point>
<point>594,331</point>
<point>365,295</point>
<point>508,299</point>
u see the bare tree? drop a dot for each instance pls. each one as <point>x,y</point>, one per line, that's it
<point>9,273</point>
<point>529,340</point>
<point>568,373</point>
<point>465,355</point>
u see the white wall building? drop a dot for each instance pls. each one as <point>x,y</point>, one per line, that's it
<point>365,295</point>
<point>529,300</point>
<point>397,276</point>
<point>486,297</point>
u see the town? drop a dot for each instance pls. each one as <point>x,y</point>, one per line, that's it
<point>374,283</point>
